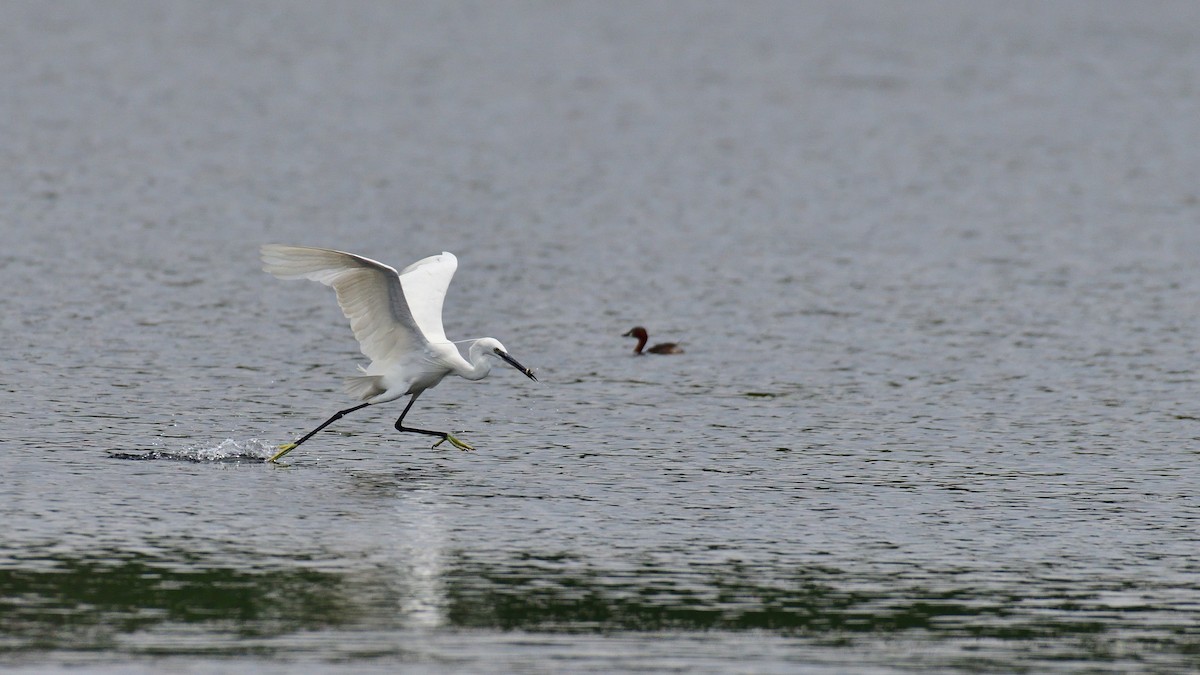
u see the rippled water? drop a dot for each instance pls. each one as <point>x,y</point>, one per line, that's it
<point>933,265</point>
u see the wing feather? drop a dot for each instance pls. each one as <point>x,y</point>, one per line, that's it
<point>425,284</point>
<point>390,313</point>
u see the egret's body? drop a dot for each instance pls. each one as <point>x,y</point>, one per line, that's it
<point>397,319</point>
<point>642,336</point>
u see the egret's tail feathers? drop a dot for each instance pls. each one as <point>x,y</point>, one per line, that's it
<point>364,387</point>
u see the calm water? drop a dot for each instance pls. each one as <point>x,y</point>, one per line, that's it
<point>934,266</point>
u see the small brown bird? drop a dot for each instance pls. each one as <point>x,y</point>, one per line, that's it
<point>662,348</point>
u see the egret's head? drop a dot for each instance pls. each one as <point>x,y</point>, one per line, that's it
<point>492,346</point>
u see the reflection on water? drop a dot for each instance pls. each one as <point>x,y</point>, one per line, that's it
<point>133,603</point>
<point>727,597</point>
<point>90,603</point>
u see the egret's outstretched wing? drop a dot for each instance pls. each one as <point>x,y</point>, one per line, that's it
<point>371,295</point>
<point>425,284</point>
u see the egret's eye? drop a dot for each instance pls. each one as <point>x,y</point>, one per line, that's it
<point>497,350</point>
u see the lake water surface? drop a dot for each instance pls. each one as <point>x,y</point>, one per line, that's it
<point>934,266</point>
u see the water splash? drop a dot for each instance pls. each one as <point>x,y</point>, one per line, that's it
<point>229,450</point>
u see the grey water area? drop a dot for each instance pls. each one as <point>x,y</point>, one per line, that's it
<point>934,266</point>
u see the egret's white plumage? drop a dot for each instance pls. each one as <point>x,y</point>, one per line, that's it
<point>397,319</point>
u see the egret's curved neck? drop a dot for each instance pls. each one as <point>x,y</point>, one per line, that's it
<point>479,367</point>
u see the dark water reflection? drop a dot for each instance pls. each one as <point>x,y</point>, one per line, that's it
<point>92,603</point>
<point>716,597</point>
<point>123,602</point>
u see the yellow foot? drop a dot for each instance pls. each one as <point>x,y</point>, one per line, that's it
<point>283,450</point>
<point>461,445</point>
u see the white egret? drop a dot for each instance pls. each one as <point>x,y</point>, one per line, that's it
<point>661,348</point>
<point>397,319</point>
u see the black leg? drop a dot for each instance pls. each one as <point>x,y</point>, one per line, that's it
<point>440,434</point>
<point>400,422</point>
<point>285,449</point>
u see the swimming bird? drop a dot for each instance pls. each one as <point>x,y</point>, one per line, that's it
<point>662,348</point>
<point>397,319</point>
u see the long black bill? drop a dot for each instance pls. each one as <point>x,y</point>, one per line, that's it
<point>516,364</point>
